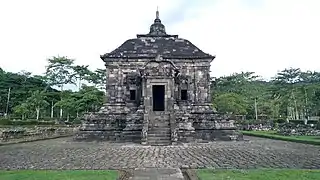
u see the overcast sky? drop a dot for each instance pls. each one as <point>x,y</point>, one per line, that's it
<point>263,36</point>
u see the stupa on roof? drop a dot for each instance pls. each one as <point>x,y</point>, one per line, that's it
<point>158,93</point>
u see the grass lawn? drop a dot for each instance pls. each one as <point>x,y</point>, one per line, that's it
<point>58,175</point>
<point>315,140</point>
<point>259,174</point>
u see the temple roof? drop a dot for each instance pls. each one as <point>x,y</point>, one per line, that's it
<point>157,42</point>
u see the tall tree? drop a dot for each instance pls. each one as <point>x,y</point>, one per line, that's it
<point>59,72</point>
<point>289,80</point>
<point>68,102</point>
<point>98,78</point>
<point>81,73</point>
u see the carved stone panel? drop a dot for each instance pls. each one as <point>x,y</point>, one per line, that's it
<point>159,68</point>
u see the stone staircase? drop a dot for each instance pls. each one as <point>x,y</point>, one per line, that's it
<point>159,132</point>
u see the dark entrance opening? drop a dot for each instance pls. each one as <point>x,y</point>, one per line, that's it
<point>184,95</point>
<point>158,97</point>
<point>132,95</point>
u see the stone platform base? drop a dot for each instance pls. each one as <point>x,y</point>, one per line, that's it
<point>183,136</point>
<point>113,136</point>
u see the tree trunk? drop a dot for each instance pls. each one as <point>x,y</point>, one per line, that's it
<point>296,112</point>
<point>79,85</point>
<point>61,112</point>
<point>22,117</point>
<point>52,109</point>
<point>67,117</point>
<point>306,101</point>
<point>38,112</point>
<point>77,114</point>
<point>256,109</point>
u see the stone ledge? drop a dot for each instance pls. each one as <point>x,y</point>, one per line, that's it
<point>18,141</point>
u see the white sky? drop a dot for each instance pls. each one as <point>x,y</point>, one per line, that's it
<point>263,36</point>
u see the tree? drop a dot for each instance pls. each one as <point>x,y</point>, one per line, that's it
<point>245,84</point>
<point>60,72</point>
<point>230,103</point>
<point>21,84</point>
<point>37,101</point>
<point>81,72</point>
<point>22,110</point>
<point>288,79</point>
<point>98,78</point>
<point>67,103</point>
<point>90,98</point>
<point>25,75</point>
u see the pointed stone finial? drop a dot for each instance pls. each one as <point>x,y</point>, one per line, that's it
<point>157,13</point>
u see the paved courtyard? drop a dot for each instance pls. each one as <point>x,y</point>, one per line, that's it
<point>63,153</point>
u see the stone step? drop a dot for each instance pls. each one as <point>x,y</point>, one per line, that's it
<point>159,139</point>
<point>158,132</point>
<point>156,139</point>
<point>159,135</point>
<point>160,124</point>
<point>159,127</point>
<point>160,143</point>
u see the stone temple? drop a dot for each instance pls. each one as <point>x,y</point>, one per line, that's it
<point>158,93</point>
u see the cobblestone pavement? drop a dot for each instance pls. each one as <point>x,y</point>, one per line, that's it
<point>63,153</point>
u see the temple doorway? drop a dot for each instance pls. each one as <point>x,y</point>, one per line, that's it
<point>158,94</point>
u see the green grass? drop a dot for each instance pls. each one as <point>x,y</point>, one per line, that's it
<point>58,175</point>
<point>259,174</point>
<point>315,140</point>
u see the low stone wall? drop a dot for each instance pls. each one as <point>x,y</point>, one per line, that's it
<point>219,135</point>
<point>10,135</point>
<point>290,129</point>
